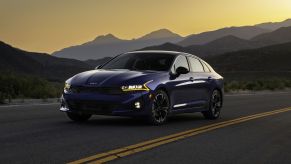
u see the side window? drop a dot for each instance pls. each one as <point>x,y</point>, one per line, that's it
<point>206,69</point>
<point>196,65</point>
<point>181,61</point>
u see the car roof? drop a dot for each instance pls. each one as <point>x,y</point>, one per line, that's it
<point>164,52</point>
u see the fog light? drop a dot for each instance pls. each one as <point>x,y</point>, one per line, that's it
<point>151,96</point>
<point>137,105</point>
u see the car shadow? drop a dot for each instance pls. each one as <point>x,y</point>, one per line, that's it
<point>128,121</point>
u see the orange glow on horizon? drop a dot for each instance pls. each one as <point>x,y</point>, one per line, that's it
<point>50,25</point>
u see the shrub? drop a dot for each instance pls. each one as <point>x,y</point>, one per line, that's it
<point>17,86</point>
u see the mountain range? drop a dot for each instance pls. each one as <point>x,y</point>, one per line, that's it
<point>266,52</point>
<point>243,32</point>
<point>230,43</point>
<point>206,43</point>
<point>109,45</point>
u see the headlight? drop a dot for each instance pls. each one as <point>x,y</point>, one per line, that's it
<point>138,87</point>
<point>67,87</point>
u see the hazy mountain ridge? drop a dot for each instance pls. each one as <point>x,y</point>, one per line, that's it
<point>58,69</point>
<point>275,25</point>
<point>231,43</point>
<point>104,39</point>
<point>109,45</point>
<point>243,32</point>
<point>281,35</point>
<point>207,43</point>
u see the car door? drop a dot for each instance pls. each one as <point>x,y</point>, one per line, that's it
<point>200,79</point>
<point>181,90</point>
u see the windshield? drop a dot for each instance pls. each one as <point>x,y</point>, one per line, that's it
<point>141,61</point>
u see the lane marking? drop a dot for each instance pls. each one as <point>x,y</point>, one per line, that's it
<point>150,144</point>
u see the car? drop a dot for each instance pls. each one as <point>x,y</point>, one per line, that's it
<point>146,84</point>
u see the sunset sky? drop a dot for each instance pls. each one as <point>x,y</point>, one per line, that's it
<point>50,25</point>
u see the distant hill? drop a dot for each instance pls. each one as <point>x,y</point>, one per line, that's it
<point>38,64</point>
<point>204,44</point>
<point>222,45</point>
<point>281,35</point>
<point>109,45</point>
<point>216,47</point>
<point>104,39</point>
<point>267,62</point>
<point>167,47</point>
<point>230,43</point>
<point>245,32</point>
<point>275,25</point>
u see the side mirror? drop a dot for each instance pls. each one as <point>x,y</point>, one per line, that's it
<point>98,66</point>
<point>182,70</point>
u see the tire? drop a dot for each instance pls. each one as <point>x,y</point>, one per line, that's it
<point>160,108</point>
<point>215,105</point>
<point>78,117</point>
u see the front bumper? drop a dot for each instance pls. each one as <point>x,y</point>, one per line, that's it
<point>106,104</point>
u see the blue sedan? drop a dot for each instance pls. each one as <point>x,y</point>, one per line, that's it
<point>146,84</point>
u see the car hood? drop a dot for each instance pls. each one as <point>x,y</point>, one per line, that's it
<point>113,77</point>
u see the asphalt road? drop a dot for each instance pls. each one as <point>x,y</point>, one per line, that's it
<point>42,134</point>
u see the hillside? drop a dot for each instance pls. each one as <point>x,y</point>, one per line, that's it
<point>281,35</point>
<point>267,62</point>
<point>38,64</point>
<point>222,45</point>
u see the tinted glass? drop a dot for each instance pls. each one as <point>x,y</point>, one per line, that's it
<point>141,61</point>
<point>181,62</point>
<point>196,66</point>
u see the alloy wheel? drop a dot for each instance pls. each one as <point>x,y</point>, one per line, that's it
<point>160,107</point>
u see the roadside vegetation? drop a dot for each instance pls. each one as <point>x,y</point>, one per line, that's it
<point>257,85</point>
<point>14,86</point>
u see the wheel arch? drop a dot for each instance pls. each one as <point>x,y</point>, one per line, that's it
<point>164,88</point>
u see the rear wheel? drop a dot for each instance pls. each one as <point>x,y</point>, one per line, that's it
<point>78,117</point>
<point>160,108</point>
<point>215,105</point>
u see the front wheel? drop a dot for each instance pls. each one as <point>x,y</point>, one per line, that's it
<point>78,117</point>
<point>160,108</point>
<point>215,105</point>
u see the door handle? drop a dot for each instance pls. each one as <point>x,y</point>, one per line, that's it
<point>191,79</point>
<point>209,78</point>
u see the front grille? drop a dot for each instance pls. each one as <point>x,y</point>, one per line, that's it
<point>102,90</point>
<point>91,106</point>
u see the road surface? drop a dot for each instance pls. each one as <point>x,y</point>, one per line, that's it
<point>244,134</point>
